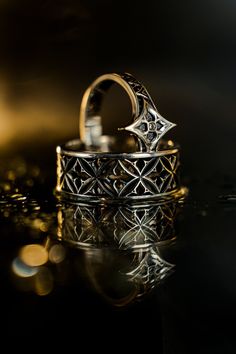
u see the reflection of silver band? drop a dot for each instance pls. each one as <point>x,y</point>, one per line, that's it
<point>123,227</point>
<point>138,273</point>
<point>89,170</point>
<point>130,243</point>
<point>151,269</point>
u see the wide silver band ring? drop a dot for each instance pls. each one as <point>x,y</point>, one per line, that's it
<point>96,176</point>
<point>89,172</point>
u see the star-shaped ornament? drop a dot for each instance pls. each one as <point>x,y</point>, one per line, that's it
<point>149,127</point>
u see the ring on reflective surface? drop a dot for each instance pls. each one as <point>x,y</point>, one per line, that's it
<point>129,275</point>
<point>95,176</point>
<point>117,226</point>
<point>132,245</point>
<point>91,170</point>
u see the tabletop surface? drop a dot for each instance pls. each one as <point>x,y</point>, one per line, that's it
<point>177,295</point>
<point>183,298</point>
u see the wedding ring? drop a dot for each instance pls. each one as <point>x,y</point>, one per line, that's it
<point>89,169</point>
<point>148,125</point>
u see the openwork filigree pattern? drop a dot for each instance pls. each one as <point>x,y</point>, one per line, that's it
<point>118,178</point>
<point>130,238</point>
<point>151,270</point>
<point>149,126</point>
<point>123,227</point>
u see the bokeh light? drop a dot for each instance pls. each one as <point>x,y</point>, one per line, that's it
<point>33,255</point>
<point>23,270</point>
<point>57,253</point>
<point>43,282</point>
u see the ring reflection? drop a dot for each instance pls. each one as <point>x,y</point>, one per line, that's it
<point>123,252</point>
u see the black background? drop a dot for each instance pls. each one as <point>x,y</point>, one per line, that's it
<point>184,53</point>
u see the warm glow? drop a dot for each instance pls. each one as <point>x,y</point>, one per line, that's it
<point>33,255</point>
<point>57,254</point>
<point>170,143</point>
<point>6,132</point>
<point>40,224</point>
<point>39,111</point>
<point>43,282</point>
<point>60,223</point>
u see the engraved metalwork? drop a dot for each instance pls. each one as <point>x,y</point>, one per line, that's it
<point>151,269</point>
<point>138,272</point>
<point>148,125</point>
<point>126,240</point>
<point>89,171</point>
<point>134,176</point>
<point>122,227</point>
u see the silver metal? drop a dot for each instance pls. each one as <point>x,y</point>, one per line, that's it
<point>134,241</point>
<point>91,170</point>
<point>148,125</point>
<point>117,226</point>
<point>150,271</point>
<point>117,177</point>
<point>139,272</point>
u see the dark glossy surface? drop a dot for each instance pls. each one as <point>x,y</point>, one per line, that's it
<point>184,53</point>
<point>83,289</point>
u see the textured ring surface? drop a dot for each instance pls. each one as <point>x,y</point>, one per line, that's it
<point>91,170</point>
<point>121,226</point>
<point>148,125</point>
<point>136,176</point>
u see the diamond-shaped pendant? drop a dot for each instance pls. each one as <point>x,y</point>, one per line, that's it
<point>149,127</point>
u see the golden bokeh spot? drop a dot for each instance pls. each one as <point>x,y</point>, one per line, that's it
<point>57,254</point>
<point>34,255</point>
<point>43,282</point>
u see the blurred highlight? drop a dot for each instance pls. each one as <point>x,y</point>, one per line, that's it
<point>57,254</point>
<point>34,267</point>
<point>33,255</point>
<point>31,108</point>
<point>23,270</point>
<point>43,281</point>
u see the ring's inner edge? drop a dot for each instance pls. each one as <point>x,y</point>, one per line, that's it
<point>114,144</point>
<point>96,97</point>
<point>93,139</point>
